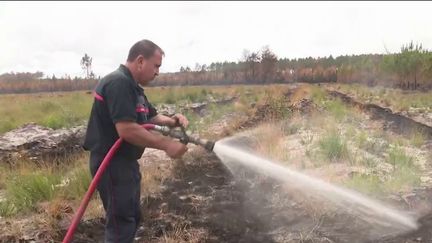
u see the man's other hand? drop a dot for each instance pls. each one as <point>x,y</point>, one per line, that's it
<point>175,149</point>
<point>181,120</point>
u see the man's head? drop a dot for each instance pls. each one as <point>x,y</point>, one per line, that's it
<point>144,60</point>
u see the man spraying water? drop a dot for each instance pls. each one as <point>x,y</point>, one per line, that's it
<point>120,108</point>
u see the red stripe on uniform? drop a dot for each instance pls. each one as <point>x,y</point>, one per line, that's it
<point>142,109</point>
<point>98,96</point>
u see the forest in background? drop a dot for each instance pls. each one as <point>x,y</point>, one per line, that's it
<point>410,68</point>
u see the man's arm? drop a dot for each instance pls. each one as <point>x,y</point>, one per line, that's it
<point>121,102</point>
<point>133,133</point>
<point>173,121</point>
<point>163,120</point>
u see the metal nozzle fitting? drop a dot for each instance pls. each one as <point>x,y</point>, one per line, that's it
<point>185,136</point>
<point>209,146</point>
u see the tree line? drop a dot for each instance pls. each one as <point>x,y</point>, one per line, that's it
<point>17,83</point>
<point>409,68</point>
<point>27,82</point>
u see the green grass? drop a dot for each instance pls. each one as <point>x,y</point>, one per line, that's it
<point>371,144</point>
<point>7,209</point>
<point>60,120</point>
<point>28,184</point>
<point>336,108</point>
<point>418,138</point>
<point>53,110</point>
<point>291,128</point>
<point>404,176</point>
<point>318,95</point>
<point>4,171</point>
<point>399,159</point>
<point>214,112</point>
<point>25,190</point>
<point>174,95</point>
<point>66,109</point>
<point>397,99</point>
<point>277,107</point>
<point>277,103</point>
<point>7,124</point>
<point>333,146</point>
<point>362,139</point>
<point>79,180</point>
<point>368,162</point>
<point>370,184</point>
<point>402,179</point>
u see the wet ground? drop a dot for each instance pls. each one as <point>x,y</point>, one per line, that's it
<point>206,201</point>
<point>423,234</point>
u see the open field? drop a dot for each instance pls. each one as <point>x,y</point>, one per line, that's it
<point>66,109</point>
<point>198,199</point>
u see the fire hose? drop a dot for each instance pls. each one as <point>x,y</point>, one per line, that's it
<point>182,135</point>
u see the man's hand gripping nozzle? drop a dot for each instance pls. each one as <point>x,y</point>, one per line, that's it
<point>185,137</point>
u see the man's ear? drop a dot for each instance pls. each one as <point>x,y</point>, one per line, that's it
<point>140,59</point>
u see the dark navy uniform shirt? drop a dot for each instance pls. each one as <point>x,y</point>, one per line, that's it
<point>117,97</point>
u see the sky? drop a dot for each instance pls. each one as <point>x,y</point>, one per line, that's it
<point>53,36</point>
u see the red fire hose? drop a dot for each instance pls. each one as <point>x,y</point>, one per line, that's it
<point>93,184</point>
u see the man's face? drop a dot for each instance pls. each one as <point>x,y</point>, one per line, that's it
<point>148,69</point>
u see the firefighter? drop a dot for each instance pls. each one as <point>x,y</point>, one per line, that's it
<point>119,107</point>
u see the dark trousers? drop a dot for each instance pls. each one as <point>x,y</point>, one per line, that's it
<point>119,189</point>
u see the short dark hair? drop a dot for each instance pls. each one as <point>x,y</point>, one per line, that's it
<point>145,48</point>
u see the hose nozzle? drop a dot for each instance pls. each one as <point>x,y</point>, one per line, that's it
<point>209,145</point>
<point>185,137</point>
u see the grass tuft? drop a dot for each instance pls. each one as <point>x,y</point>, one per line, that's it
<point>333,146</point>
<point>25,190</point>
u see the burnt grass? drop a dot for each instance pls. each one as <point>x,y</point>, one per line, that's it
<point>397,123</point>
<point>205,201</point>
